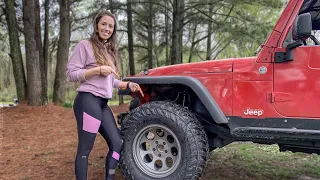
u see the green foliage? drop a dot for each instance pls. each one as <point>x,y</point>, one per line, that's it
<point>71,95</point>
<point>115,102</point>
<point>247,27</point>
<point>67,104</point>
<point>50,97</point>
<point>7,94</point>
<point>238,28</point>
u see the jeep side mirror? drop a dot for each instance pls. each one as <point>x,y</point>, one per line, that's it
<point>302,27</point>
<point>301,30</point>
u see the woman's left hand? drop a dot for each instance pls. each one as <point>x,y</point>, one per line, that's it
<point>134,87</point>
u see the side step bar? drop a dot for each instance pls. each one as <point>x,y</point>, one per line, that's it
<point>276,133</point>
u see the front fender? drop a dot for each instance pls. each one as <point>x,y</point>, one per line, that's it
<point>199,89</point>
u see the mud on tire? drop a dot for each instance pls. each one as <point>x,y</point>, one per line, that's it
<point>162,140</point>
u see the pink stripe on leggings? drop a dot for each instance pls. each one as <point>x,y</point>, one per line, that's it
<point>116,155</point>
<point>90,124</point>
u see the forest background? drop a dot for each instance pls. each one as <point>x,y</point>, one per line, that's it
<point>37,38</point>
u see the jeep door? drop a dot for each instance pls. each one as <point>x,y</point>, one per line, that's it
<point>297,84</point>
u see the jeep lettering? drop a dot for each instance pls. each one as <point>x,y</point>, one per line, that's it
<point>256,112</point>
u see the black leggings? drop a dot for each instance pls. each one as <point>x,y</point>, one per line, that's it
<point>93,114</point>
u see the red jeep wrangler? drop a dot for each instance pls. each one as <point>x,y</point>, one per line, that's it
<point>190,109</point>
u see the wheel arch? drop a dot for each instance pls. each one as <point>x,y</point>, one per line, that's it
<point>195,85</point>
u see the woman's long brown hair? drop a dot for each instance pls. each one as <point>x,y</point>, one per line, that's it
<point>99,46</point>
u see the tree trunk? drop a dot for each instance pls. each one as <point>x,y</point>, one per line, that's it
<point>181,18</point>
<point>7,75</point>
<point>15,51</point>
<point>176,34</point>
<point>32,53</point>
<point>121,76</point>
<point>111,6</point>
<point>46,44</point>
<point>130,38</point>
<point>167,34</point>
<point>41,58</point>
<point>156,51</point>
<point>62,54</point>
<point>120,59</point>
<point>194,31</point>
<point>150,38</point>
<point>209,32</point>
<point>52,63</point>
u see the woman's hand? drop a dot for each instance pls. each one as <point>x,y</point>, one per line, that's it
<point>107,70</point>
<point>134,87</point>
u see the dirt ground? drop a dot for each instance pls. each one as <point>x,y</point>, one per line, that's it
<point>41,142</point>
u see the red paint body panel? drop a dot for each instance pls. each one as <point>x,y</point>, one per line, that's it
<point>267,51</point>
<point>250,88</point>
<point>252,95</point>
<point>220,88</point>
<point>212,66</point>
<point>247,69</point>
<point>301,79</point>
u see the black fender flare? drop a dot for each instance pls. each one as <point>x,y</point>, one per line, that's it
<point>200,90</point>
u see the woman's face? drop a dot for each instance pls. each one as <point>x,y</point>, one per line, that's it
<point>105,27</point>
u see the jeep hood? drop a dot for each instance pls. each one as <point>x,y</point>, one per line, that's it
<point>212,66</point>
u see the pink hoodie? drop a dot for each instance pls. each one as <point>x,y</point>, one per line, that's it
<point>82,58</point>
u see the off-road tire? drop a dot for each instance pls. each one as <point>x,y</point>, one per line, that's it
<point>175,120</point>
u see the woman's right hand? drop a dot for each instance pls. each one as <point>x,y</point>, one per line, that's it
<point>107,70</point>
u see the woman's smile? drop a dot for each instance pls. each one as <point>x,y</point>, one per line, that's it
<point>105,27</point>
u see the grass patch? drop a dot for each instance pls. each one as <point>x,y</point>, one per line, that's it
<point>7,94</point>
<point>116,102</point>
<point>110,103</point>
<point>6,102</point>
<point>67,104</point>
<point>265,162</point>
<point>46,156</point>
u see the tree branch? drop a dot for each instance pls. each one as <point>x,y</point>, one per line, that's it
<point>200,4</point>
<point>142,23</point>
<point>222,49</point>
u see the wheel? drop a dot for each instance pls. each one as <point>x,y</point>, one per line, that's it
<point>162,140</point>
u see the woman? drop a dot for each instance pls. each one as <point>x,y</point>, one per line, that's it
<point>94,64</point>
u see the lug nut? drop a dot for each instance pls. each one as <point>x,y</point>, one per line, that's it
<point>154,149</point>
<point>156,142</point>
<point>164,143</point>
<point>166,151</point>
